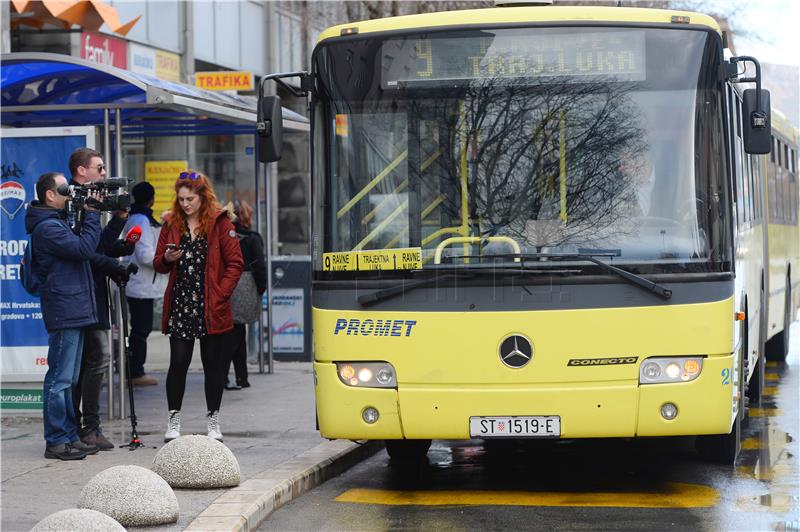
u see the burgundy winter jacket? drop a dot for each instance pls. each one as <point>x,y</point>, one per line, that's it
<point>223,268</point>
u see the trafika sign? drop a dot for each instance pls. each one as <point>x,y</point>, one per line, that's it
<point>104,50</point>
<point>224,81</point>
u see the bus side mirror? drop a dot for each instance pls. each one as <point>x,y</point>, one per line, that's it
<point>757,122</point>
<point>269,128</point>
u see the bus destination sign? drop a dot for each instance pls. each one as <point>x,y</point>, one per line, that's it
<point>610,55</point>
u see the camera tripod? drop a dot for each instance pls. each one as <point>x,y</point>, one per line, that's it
<point>135,442</point>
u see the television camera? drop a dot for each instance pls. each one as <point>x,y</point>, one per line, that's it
<point>113,194</point>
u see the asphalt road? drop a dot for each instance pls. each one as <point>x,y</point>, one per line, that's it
<point>613,484</point>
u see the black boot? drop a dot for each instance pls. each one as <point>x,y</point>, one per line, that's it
<point>64,451</point>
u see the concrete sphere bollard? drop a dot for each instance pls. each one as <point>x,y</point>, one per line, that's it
<point>197,461</point>
<point>78,519</point>
<point>132,495</point>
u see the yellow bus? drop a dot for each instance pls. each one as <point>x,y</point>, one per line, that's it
<point>526,225</point>
<point>784,236</point>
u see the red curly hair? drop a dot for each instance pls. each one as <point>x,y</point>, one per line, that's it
<point>209,207</point>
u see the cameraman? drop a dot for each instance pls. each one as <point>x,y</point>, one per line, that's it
<point>86,166</point>
<point>68,305</point>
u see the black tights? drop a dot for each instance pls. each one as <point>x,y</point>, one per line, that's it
<point>214,369</point>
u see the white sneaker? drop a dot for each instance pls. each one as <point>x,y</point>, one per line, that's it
<point>173,426</point>
<point>213,425</point>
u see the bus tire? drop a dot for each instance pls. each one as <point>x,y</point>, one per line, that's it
<point>724,448</point>
<point>778,345</point>
<point>407,450</point>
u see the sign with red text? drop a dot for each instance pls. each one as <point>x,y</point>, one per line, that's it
<point>104,50</point>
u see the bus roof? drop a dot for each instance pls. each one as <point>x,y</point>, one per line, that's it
<point>510,15</point>
<point>782,126</point>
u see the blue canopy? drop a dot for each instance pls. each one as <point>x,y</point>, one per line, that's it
<point>41,90</point>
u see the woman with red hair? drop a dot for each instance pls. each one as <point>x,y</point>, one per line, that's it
<point>199,250</point>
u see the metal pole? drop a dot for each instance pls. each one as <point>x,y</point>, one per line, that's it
<point>106,136</point>
<point>110,364</point>
<point>258,228</point>
<point>118,141</point>
<point>121,354</point>
<point>121,341</point>
<point>268,215</point>
<point>107,159</point>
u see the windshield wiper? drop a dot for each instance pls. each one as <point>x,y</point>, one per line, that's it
<point>462,272</point>
<point>655,288</point>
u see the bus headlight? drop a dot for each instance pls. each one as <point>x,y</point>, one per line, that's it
<point>367,374</point>
<point>670,369</point>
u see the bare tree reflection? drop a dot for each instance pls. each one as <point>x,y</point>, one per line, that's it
<point>521,141</point>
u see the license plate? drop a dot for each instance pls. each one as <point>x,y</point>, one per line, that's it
<point>515,427</point>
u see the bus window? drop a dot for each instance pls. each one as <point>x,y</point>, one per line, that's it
<point>753,181</point>
<point>737,152</point>
<point>787,200</point>
<point>794,162</point>
<point>786,156</point>
<point>738,117</point>
<point>772,190</point>
<point>778,149</point>
<point>772,153</point>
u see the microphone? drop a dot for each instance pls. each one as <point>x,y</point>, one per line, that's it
<point>134,235</point>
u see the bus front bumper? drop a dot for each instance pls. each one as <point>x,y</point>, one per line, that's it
<point>597,410</point>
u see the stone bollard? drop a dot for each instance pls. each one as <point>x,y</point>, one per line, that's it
<point>78,519</point>
<point>132,495</point>
<point>197,461</point>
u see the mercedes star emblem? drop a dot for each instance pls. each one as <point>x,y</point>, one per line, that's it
<point>516,351</point>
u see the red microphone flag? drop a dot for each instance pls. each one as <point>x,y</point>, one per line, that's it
<point>134,234</point>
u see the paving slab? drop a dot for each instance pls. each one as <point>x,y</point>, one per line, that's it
<point>268,427</point>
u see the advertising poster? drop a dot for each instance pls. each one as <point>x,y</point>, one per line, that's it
<point>26,154</point>
<point>162,175</point>
<point>154,62</point>
<point>287,320</point>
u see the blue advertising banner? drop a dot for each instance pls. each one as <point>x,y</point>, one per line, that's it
<point>26,154</point>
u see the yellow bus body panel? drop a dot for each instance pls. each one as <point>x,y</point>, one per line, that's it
<point>517,15</point>
<point>448,369</point>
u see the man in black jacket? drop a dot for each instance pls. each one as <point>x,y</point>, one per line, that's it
<point>86,166</point>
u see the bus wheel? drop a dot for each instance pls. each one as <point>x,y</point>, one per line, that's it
<point>407,450</point>
<point>724,448</point>
<point>778,346</point>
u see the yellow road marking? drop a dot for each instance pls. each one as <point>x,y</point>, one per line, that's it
<point>770,390</point>
<point>674,495</point>
<point>772,364</point>
<point>764,412</point>
<point>771,377</point>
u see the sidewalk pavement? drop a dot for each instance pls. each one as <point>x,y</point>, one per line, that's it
<point>269,427</point>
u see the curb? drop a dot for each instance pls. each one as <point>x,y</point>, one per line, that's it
<point>246,506</point>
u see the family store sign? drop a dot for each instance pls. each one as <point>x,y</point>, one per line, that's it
<point>224,81</point>
<point>104,50</point>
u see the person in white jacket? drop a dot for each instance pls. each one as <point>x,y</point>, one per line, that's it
<point>145,286</point>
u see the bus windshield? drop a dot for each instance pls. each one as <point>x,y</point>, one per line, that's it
<point>469,146</point>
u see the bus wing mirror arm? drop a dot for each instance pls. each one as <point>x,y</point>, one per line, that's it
<point>756,107</point>
<point>269,117</point>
